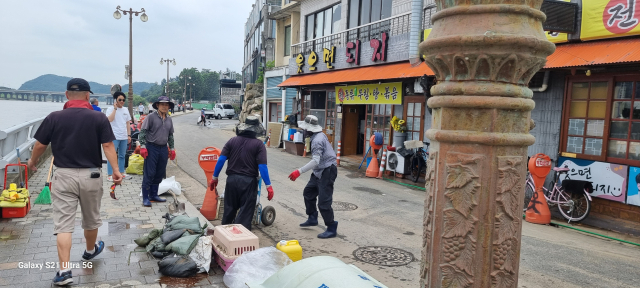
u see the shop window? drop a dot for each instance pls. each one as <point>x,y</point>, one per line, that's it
<point>287,40</point>
<point>322,23</point>
<point>306,104</point>
<point>414,117</point>
<point>587,109</point>
<point>318,106</point>
<point>378,119</point>
<point>624,132</point>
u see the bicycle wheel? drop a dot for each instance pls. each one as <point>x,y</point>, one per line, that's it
<point>575,208</point>
<point>528,194</point>
<point>415,168</point>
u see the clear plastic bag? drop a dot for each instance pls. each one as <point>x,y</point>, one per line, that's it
<point>255,266</point>
<point>170,184</point>
<point>201,254</point>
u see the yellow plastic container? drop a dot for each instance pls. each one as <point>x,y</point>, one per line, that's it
<point>292,248</point>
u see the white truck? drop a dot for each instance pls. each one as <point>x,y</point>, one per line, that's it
<point>221,110</point>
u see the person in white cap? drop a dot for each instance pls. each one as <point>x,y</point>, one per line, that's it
<point>320,186</point>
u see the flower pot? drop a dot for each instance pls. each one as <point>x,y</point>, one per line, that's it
<point>398,139</point>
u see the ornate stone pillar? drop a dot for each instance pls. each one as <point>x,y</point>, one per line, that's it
<point>483,52</point>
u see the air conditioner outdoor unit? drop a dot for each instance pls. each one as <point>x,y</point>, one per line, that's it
<point>395,162</point>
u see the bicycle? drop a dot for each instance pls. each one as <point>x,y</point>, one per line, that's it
<point>574,206</point>
<point>418,162</point>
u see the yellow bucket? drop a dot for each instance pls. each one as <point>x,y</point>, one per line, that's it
<point>292,248</point>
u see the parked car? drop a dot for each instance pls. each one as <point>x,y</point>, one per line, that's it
<point>221,110</point>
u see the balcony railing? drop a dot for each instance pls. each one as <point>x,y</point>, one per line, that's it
<point>396,25</point>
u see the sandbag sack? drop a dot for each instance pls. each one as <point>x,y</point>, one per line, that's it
<point>146,239</point>
<point>184,222</point>
<point>136,164</point>
<point>201,254</point>
<point>181,267</point>
<point>171,236</point>
<point>156,245</point>
<point>184,245</point>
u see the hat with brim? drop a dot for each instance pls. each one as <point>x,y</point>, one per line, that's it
<point>310,124</point>
<point>252,123</point>
<point>162,99</point>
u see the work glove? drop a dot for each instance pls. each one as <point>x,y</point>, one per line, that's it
<point>294,175</point>
<point>213,184</point>
<point>172,154</point>
<point>144,153</point>
<point>269,192</point>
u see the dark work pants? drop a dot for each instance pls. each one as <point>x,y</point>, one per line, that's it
<point>240,196</point>
<point>322,191</point>
<point>154,169</point>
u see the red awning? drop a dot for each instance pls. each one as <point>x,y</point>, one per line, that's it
<point>595,53</point>
<point>368,73</point>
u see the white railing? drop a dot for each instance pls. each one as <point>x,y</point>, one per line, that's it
<point>396,25</point>
<point>17,137</point>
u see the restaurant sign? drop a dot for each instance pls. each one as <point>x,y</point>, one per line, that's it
<point>609,180</point>
<point>383,93</point>
<point>610,18</point>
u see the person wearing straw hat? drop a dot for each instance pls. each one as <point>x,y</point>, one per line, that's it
<point>156,134</point>
<point>247,156</point>
<point>320,186</point>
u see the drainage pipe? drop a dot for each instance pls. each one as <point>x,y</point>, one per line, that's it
<point>545,83</point>
<point>415,31</point>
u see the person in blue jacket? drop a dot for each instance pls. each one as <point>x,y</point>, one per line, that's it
<point>247,156</point>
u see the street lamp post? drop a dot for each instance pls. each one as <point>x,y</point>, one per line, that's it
<point>143,18</point>
<point>166,86</point>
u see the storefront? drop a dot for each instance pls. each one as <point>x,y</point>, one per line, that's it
<point>351,111</point>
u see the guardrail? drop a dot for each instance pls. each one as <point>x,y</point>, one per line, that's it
<point>397,25</point>
<point>17,137</point>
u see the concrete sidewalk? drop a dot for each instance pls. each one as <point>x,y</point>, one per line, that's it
<point>121,264</point>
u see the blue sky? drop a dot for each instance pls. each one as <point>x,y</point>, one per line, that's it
<point>82,39</point>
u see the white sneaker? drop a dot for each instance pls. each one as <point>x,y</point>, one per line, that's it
<point>110,178</point>
<point>126,177</point>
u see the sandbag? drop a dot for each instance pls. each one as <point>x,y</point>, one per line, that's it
<point>156,245</point>
<point>183,245</point>
<point>202,252</point>
<point>146,239</point>
<point>184,222</point>
<point>171,236</point>
<point>136,164</point>
<point>170,184</point>
<point>159,255</point>
<point>181,267</point>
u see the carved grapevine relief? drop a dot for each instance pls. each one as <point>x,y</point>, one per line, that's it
<point>462,184</point>
<point>428,215</point>
<point>508,222</point>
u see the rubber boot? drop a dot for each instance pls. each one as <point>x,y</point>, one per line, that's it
<point>153,195</point>
<point>145,197</point>
<point>312,221</point>
<point>331,231</point>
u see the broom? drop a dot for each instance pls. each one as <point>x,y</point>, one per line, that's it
<point>45,195</point>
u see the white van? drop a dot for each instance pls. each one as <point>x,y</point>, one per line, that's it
<point>222,110</point>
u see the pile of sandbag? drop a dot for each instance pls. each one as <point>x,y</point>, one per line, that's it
<point>181,246</point>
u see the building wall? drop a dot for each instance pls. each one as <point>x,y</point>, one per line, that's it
<point>548,117</point>
<point>282,60</point>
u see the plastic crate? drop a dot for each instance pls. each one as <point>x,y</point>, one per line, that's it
<point>233,240</point>
<point>223,261</point>
<point>16,212</point>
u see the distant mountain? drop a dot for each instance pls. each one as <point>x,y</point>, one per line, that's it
<point>55,83</point>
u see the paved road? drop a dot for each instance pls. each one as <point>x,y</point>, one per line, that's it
<point>391,215</point>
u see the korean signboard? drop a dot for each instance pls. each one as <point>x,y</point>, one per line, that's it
<point>609,180</point>
<point>609,18</point>
<point>384,93</point>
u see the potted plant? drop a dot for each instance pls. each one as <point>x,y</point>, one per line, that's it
<point>400,134</point>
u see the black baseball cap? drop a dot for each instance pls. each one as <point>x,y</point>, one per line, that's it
<point>81,85</point>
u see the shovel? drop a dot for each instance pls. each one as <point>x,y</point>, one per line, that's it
<point>176,207</point>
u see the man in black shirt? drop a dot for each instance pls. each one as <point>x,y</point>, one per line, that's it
<point>76,135</point>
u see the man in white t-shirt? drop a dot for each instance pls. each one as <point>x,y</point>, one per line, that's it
<point>120,124</point>
<point>141,109</point>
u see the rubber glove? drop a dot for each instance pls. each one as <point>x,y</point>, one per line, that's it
<point>172,154</point>
<point>213,184</point>
<point>270,192</point>
<point>144,153</point>
<point>294,175</point>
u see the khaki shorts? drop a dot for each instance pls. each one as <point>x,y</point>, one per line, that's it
<point>69,187</point>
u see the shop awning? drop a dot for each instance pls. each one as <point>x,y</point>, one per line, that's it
<point>595,53</point>
<point>360,74</point>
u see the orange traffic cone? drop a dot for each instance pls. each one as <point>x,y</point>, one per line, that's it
<point>210,205</point>
<point>208,158</point>
<point>382,164</point>
<point>269,139</point>
<point>372,169</point>
<point>338,156</point>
